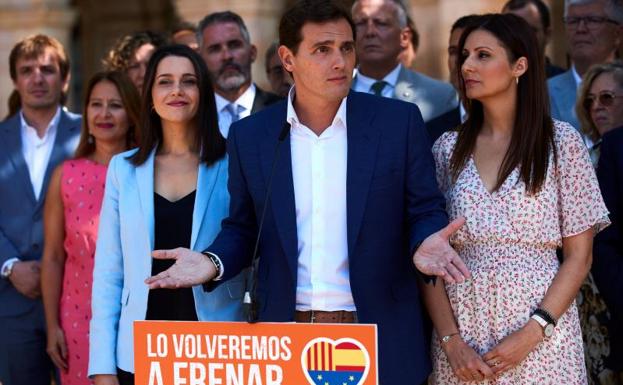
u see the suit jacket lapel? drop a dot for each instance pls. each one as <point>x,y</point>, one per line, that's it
<point>62,148</point>
<point>405,89</point>
<point>282,195</point>
<point>145,186</point>
<point>258,100</point>
<point>206,180</point>
<point>363,140</point>
<point>14,142</point>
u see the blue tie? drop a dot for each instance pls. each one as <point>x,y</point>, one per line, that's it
<point>234,111</point>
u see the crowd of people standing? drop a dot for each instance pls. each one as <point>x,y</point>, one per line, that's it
<point>494,199</point>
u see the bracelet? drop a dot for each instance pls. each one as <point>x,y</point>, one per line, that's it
<point>215,261</point>
<point>446,338</point>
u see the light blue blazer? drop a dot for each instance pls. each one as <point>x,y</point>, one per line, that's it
<point>562,95</point>
<point>123,258</point>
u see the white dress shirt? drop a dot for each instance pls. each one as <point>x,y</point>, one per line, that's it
<point>224,117</point>
<point>319,177</point>
<point>37,151</point>
<point>576,77</point>
<point>462,112</point>
<point>364,83</point>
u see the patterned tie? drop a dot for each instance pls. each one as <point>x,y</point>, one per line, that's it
<point>234,110</point>
<point>377,87</point>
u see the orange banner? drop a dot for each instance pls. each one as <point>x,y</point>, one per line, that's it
<point>236,353</point>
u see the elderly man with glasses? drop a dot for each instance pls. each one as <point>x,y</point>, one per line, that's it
<point>594,31</point>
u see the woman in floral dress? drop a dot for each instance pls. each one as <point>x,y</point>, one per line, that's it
<point>525,186</point>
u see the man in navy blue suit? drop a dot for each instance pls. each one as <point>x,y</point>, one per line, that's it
<point>353,202</point>
<point>33,141</point>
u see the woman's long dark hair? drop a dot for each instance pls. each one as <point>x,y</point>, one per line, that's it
<point>532,139</point>
<point>208,139</point>
<point>131,103</point>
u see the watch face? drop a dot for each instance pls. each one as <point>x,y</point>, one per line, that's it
<point>549,330</point>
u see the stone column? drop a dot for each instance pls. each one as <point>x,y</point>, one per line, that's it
<point>261,18</point>
<point>19,19</point>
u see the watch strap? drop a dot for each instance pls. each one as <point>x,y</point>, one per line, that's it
<point>547,316</point>
<point>7,267</point>
<point>217,263</point>
<point>540,320</point>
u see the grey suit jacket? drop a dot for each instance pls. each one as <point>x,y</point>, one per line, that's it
<point>21,214</point>
<point>562,97</point>
<point>433,97</point>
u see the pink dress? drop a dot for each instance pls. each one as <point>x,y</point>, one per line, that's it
<point>509,244</point>
<point>82,191</point>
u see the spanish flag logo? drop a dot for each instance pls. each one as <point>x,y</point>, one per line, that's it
<point>328,362</point>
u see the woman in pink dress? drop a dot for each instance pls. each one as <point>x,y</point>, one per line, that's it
<point>525,185</point>
<point>71,218</point>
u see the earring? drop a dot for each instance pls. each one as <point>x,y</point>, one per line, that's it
<point>90,139</point>
<point>517,80</point>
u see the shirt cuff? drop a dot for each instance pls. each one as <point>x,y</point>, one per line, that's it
<point>8,262</point>
<point>221,271</point>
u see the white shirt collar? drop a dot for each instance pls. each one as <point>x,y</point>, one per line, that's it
<point>365,82</point>
<point>291,117</point>
<point>245,100</point>
<point>30,132</point>
<point>462,112</point>
<point>576,77</point>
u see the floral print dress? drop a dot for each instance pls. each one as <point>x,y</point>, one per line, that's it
<point>509,244</point>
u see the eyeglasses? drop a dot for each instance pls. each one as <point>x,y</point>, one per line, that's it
<point>605,98</point>
<point>591,22</point>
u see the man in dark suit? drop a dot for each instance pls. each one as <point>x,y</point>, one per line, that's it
<point>607,266</point>
<point>225,45</point>
<point>354,201</point>
<point>32,143</point>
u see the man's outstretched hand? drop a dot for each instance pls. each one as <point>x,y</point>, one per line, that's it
<point>191,268</point>
<point>435,256</point>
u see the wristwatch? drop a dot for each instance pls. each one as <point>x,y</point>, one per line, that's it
<point>217,264</point>
<point>545,319</point>
<point>7,268</point>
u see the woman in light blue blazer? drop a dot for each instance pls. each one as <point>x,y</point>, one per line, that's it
<point>170,192</point>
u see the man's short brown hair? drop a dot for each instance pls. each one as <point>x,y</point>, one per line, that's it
<point>33,46</point>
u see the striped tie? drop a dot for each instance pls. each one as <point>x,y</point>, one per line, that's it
<point>234,110</point>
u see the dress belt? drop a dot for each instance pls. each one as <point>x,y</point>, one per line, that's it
<point>326,317</point>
